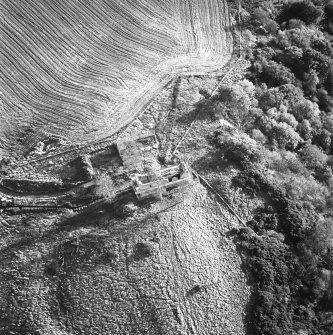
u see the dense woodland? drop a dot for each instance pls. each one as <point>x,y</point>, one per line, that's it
<point>283,145</point>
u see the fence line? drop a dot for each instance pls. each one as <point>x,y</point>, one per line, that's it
<point>206,183</point>
<point>212,94</point>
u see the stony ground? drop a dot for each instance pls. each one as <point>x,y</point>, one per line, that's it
<point>172,272</point>
<point>166,268</point>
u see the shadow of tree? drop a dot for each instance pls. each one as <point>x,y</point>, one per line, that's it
<point>203,109</point>
<point>212,162</point>
<point>94,215</point>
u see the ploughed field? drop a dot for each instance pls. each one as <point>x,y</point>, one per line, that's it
<point>82,69</point>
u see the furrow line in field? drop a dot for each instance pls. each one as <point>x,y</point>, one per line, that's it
<point>86,69</point>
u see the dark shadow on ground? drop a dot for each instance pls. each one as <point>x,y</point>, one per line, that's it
<point>95,215</point>
<point>106,158</point>
<point>212,162</point>
<point>203,110</point>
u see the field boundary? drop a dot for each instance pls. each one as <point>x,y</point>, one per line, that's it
<point>205,183</point>
<point>122,128</point>
<point>199,111</point>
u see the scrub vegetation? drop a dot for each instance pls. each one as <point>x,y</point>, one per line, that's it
<point>282,143</point>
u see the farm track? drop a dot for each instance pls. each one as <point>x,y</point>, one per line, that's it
<point>84,72</point>
<point>13,193</point>
<point>54,200</point>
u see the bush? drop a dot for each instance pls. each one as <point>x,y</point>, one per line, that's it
<point>305,130</point>
<point>239,147</point>
<point>269,98</point>
<point>296,37</point>
<point>292,57</point>
<point>258,136</point>
<point>323,46</point>
<point>273,73</point>
<point>325,100</point>
<point>306,189</point>
<point>295,221</point>
<point>295,24</point>
<point>287,95</point>
<point>285,162</point>
<point>324,140</point>
<point>305,110</point>
<point>313,157</point>
<point>328,19</point>
<point>264,53</point>
<point>288,119</point>
<point>261,18</point>
<point>311,82</point>
<point>287,68</point>
<point>267,262</point>
<point>318,62</point>
<point>238,103</point>
<point>285,136</point>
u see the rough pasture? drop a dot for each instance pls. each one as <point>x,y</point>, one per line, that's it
<point>82,69</point>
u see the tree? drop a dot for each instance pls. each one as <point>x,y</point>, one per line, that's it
<point>327,120</point>
<point>322,45</point>
<point>292,57</point>
<point>320,243</point>
<point>260,16</point>
<point>289,119</point>
<point>295,24</point>
<point>328,19</point>
<point>239,147</point>
<point>328,84</point>
<point>318,62</point>
<point>324,139</point>
<point>311,83</point>
<point>262,19</point>
<point>285,135</point>
<point>248,42</point>
<point>273,73</point>
<point>305,110</point>
<point>305,130</point>
<point>258,136</point>
<point>238,101</point>
<point>291,94</point>
<point>265,52</point>
<point>297,37</point>
<point>301,10</point>
<point>269,98</point>
<point>325,100</point>
<point>313,157</point>
<point>306,189</point>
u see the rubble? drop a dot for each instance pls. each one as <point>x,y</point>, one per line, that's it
<point>158,183</point>
<point>134,152</point>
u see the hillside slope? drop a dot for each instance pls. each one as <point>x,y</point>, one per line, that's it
<point>175,272</point>
<point>82,69</point>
